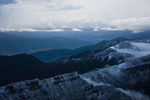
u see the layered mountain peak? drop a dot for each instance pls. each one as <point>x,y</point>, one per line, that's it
<point>119,48</point>
<point>114,70</point>
<point>137,49</point>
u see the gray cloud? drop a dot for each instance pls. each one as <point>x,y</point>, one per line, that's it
<point>58,14</point>
<point>135,24</point>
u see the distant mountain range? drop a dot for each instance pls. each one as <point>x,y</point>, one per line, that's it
<point>105,53</point>
<point>14,44</point>
<point>109,70</point>
<point>85,35</point>
<point>55,54</point>
<point>31,42</point>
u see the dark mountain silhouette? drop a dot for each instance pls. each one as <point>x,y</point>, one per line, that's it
<point>11,66</point>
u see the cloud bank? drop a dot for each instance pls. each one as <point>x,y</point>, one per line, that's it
<point>37,15</point>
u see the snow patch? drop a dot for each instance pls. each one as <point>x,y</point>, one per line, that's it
<point>135,95</point>
<point>143,49</point>
<point>142,46</point>
<point>88,80</point>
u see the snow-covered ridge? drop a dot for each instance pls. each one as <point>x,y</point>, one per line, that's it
<point>135,48</point>
<point>135,95</point>
<point>141,46</point>
<point>99,84</point>
<point>106,83</point>
<point>118,50</point>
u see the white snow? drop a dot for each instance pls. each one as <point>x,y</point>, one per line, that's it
<point>88,80</point>
<point>142,46</point>
<point>143,49</point>
<point>135,95</point>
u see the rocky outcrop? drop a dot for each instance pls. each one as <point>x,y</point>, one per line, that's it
<point>63,87</point>
<point>125,75</point>
<point>110,83</point>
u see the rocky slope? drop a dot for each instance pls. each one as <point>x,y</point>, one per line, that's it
<point>123,73</point>
<point>100,84</point>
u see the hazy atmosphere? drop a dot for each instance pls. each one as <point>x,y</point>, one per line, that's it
<point>74,49</point>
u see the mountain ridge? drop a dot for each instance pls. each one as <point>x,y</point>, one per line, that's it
<point>91,85</point>
<point>108,53</point>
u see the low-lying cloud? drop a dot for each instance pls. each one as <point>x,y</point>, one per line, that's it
<point>135,24</point>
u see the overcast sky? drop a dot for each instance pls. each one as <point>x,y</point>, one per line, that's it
<point>34,15</point>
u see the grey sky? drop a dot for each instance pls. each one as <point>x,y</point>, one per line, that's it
<point>6,1</point>
<point>57,14</point>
